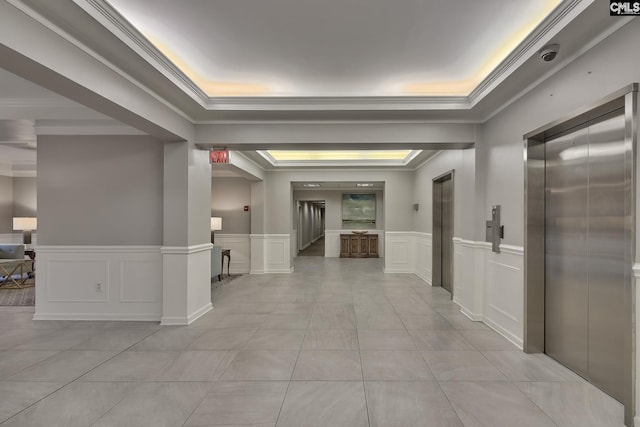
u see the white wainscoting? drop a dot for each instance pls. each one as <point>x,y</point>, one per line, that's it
<point>504,292</point>
<point>270,253</point>
<point>98,283</point>
<point>424,256</point>
<point>489,286</point>
<point>240,246</point>
<point>186,273</point>
<point>468,261</point>
<point>401,249</point>
<point>332,242</point>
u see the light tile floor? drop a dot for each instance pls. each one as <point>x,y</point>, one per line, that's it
<point>337,343</point>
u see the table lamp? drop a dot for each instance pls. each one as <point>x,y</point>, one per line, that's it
<point>216,225</point>
<point>26,225</point>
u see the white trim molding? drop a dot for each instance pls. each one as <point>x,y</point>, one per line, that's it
<point>400,247</point>
<point>270,253</point>
<point>99,283</point>
<point>424,256</point>
<point>186,249</point>
<point>240,247</point>
<point>186,278</point>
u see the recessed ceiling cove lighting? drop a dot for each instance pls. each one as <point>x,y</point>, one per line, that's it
<point>307,185</point>
<point>364,185</point>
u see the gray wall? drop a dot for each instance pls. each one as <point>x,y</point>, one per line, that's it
<point>6,204</point>
<point>463,164</point>
<point>228,198</point>
<point>606,68</point>
<point>100,190</point>
<point>25,196</point>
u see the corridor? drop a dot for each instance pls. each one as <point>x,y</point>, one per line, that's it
<point>337,343</point>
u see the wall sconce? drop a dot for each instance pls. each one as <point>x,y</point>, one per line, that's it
<point>416,207</point>
<point>216,225</point>
<point>26,225</point>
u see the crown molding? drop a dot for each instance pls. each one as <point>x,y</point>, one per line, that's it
<point>104,13</point>
<point>56,29</point>
<point>109,17</point>
<point>346,103</point>
<point>542,34</point>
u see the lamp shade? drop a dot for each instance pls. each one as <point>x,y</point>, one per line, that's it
<point>216,223</point>
<point>25,223</point>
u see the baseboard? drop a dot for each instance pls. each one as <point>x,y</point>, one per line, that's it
<point>256,271</point>
<point>424,278</point>
<point>397,271</point>
<point>506,334</point>
<point>473,316</point>
<point>128,317</point>
<point>201,312</point>
<point>280,271</point>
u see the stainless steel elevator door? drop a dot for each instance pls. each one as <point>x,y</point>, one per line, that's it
<point>566,293</point>
<point>436,264</point>
<point>447,235</point>
<point>587,213</point>
<point>442,259</point>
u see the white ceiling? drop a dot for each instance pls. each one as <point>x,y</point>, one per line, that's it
<point>340,48</point>
<point>323,55</point>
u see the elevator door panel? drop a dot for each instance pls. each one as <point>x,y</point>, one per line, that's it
<point>588,218</point>
<point>447,234</point>
<point>607,267</point>
<point>566,292</point>
<point>436,271</point>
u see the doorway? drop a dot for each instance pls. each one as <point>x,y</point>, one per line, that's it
<point>442,258</point>
<point>311,226</point>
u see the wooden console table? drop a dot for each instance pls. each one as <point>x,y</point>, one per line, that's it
<point>358,246</point>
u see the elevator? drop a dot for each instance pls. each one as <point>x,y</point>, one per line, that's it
<point>442,262</point>
<point>580,243</point>
<point>586,220</point>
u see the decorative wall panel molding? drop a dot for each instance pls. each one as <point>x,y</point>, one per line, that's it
<point>270,253</point>
<point>99,283</point>
<point>240,246</point>
<point>400,247</point>
<point>424,256</point>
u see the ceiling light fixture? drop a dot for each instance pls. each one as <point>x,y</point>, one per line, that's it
<point>364,185</point>
<point>309,185</point>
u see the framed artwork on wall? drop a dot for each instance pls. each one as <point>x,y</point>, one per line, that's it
<point>358,210</point>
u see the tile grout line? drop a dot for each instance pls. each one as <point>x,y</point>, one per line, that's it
<point>78,378</point>
<point>364,387</point>
<point>284,397</point>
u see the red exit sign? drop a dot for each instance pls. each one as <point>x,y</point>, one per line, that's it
<point>219,156</point>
